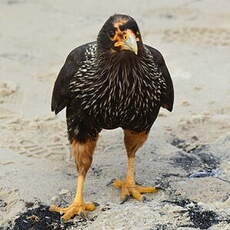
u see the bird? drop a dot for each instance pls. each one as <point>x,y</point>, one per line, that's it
<point>114,82</point>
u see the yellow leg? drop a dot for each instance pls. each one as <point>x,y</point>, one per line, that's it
<point>83,155</point>
<point>133,141</point>
<point>78,207</point>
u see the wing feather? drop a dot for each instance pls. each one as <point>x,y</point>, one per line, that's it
<point>61,94</point>
<point>168,96</point>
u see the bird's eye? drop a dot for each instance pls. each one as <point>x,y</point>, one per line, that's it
<point>111,33</point>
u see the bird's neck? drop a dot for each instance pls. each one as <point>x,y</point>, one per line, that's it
<point>120,63</point>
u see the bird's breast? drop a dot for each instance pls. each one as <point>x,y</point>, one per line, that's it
<point>119,96</point>
<point>123,104</point>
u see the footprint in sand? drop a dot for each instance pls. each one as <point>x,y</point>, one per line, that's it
<point>39,138</point>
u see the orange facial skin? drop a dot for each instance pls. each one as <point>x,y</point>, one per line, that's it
<point>121,37</point>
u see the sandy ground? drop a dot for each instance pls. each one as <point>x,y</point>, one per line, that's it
<point>187,153</point>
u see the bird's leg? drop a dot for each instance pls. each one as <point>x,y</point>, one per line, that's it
<point>83,153</point>
<point>133,141</point>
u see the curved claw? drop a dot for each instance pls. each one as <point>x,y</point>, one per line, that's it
<point>96,204</point>
<point>73,209</point>
<point>144,199</point>
<point>128,189</point>
<point>127,197</point>
<point>111,182</point>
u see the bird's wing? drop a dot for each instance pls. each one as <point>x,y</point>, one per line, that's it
<point>168,95</point>
<point>61,93</point>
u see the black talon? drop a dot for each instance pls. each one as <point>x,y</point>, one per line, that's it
<point>126,199</point>
<point>62,220</point>
<point>82,215</point>
<point>110,182</point>
<point>137,183</point>
<point>160,188</point>
<point>96,204</point>
<point>145,199</point>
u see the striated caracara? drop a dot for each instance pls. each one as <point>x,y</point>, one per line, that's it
<point>116,81</point>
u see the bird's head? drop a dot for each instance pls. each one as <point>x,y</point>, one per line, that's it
<point>120,34</point>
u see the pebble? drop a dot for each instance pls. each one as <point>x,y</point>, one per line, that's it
<point>64,192</point>
<point>54,199</point>
<point>56,139</point>
<point>197,88</point>
<point>162,114</point>
<point>185,103</point>
<point>7,88</point>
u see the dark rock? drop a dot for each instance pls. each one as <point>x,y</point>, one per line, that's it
<point>185,161</point>
<point>38,219</point>
<point>96,170</point>
<point>196,158</point>
<point>161,227</point>
<point>3,203</point>
<point>201,219</point>
<point>179,143</point>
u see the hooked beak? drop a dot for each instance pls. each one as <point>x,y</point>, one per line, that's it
<point>129,43</point>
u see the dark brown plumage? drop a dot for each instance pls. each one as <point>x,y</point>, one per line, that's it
<point>105,90</point>
<point>116,81</point>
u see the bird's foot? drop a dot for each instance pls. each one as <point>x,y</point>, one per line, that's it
<point>131,189</point>
<point>76,208</point>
